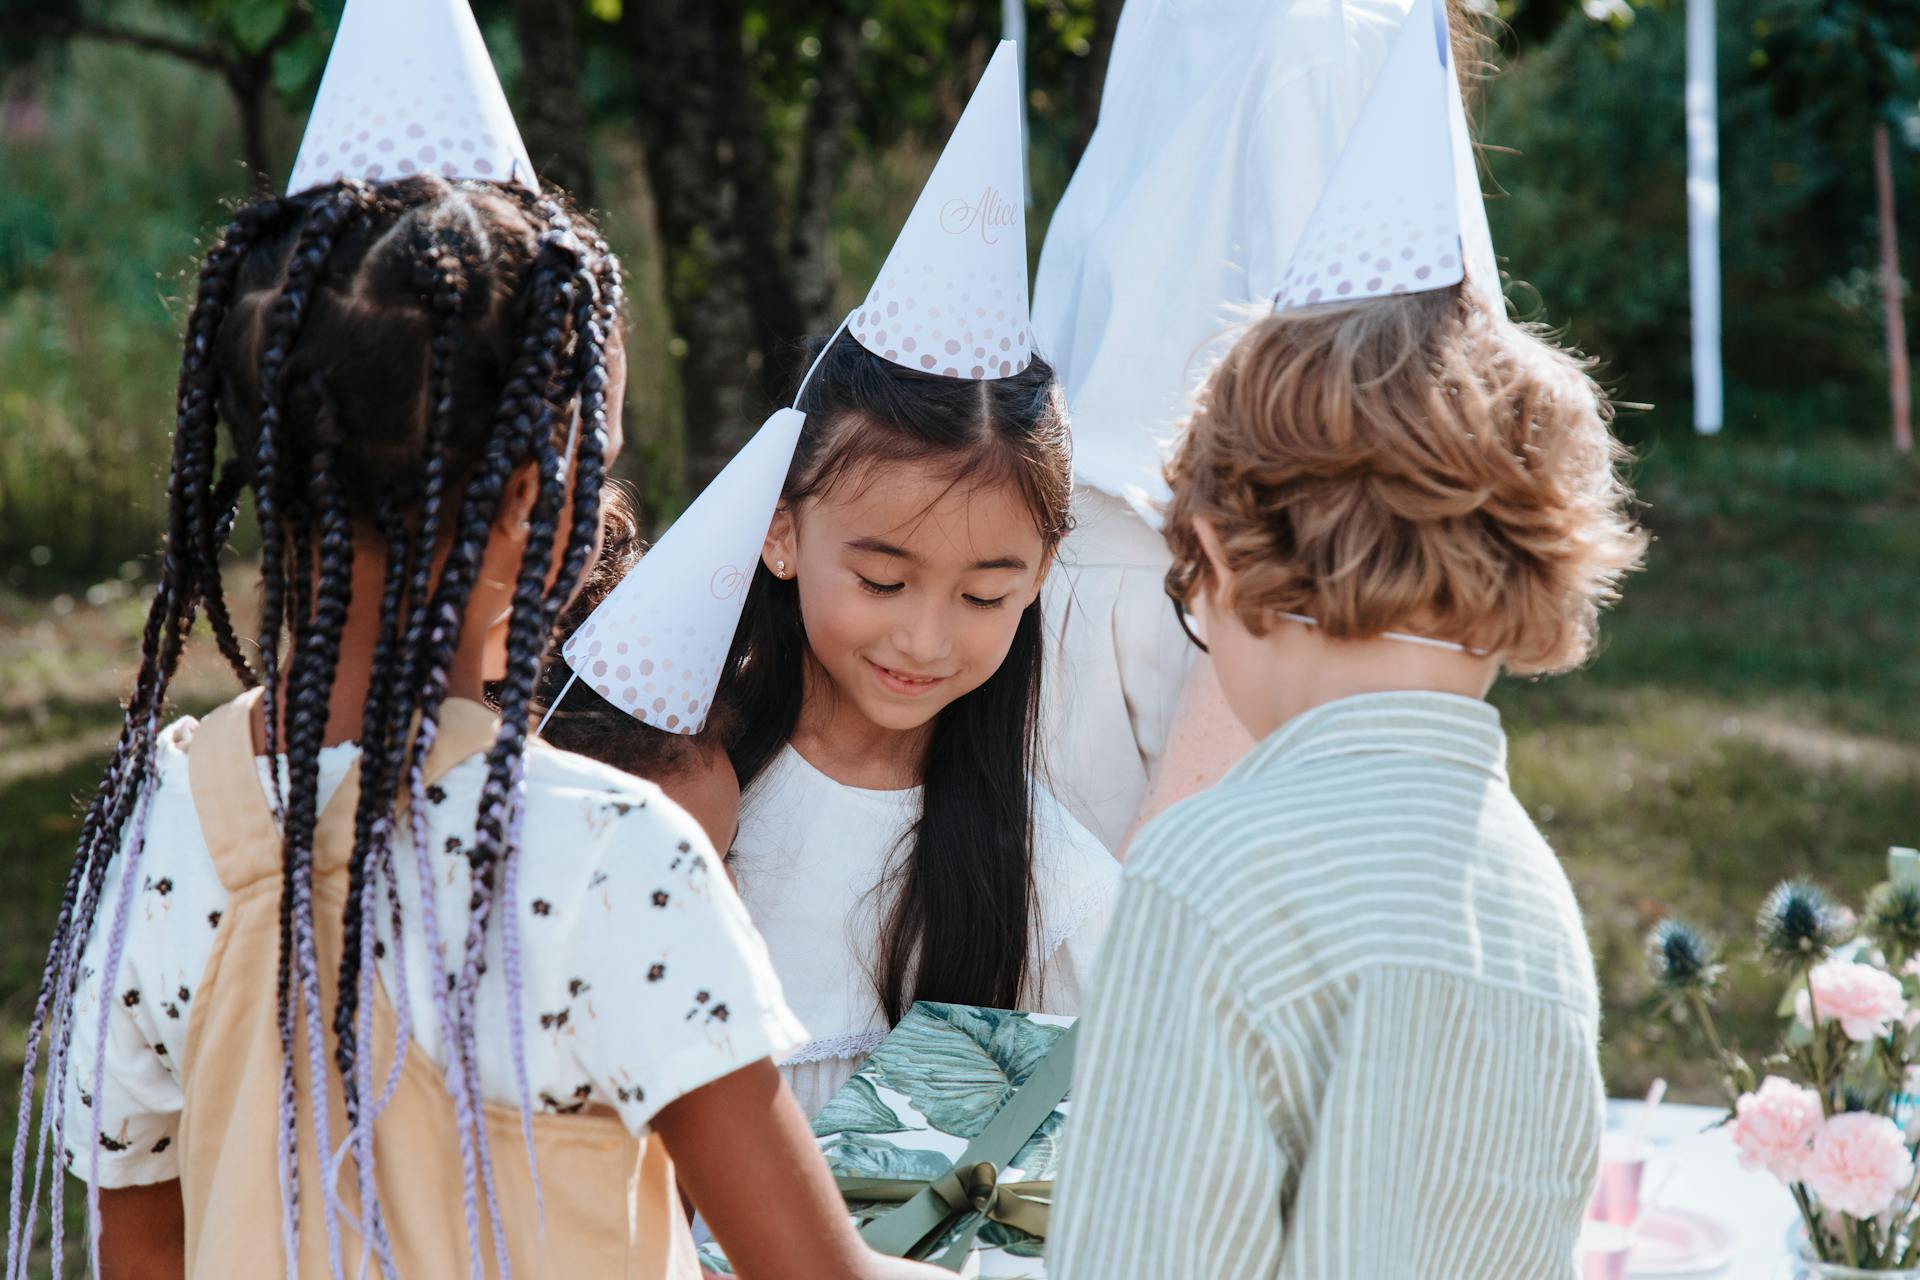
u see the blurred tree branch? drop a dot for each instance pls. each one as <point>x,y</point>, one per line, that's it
<point>245,66</point>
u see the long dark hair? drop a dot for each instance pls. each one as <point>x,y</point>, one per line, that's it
<point>385,358</point>
<point>962,903</point>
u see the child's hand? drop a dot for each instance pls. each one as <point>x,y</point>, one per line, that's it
<point>744,1153</point>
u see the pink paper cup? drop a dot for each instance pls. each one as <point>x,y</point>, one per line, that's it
<point>1616,1196</point>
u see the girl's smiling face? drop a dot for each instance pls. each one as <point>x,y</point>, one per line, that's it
<point>911,585</point>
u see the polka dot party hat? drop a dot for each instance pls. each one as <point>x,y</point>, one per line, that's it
<point>655,646</point>
<point>952,297</point>
<point>950,301</point>
<point>409,89</point>
<point>1401,212</point>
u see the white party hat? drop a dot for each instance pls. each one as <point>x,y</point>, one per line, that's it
<point>1401,211</point>
<point>951,300</point>
<point>409,89</point>
<point>656,645</point>
<point>952,297</point>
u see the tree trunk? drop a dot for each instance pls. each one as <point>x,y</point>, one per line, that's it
<point>693,167</point>
<point>552,114</point>
<point>1897,375</point>
<point>823,150</point>
<point>250,101</point>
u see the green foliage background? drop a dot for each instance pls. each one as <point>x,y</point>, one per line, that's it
<point>116,165</point>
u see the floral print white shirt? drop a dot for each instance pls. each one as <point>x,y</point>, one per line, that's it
<point>642,977</point>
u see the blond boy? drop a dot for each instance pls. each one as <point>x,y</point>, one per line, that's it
<point>1346,1021</point>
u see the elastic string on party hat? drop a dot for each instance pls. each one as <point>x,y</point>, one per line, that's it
<point>1399,637</point>
<point>822,355</point>
<point>573,670</point>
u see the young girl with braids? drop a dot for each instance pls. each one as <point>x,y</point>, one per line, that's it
<point>349,971</point>
<point>894,842</point>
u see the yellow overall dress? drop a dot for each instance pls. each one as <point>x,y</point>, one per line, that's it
<point>611,1207</point>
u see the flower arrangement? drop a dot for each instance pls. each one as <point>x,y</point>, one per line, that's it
<point>1836,1114</point>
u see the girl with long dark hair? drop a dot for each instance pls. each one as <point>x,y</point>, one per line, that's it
<point>895,843</point>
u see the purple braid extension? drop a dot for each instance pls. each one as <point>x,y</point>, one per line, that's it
<point>533,369</point>
<point>47,1014</point>
<point>47,1150</point>
<point>456,1081</point>
<point>516,987</point>
<point>51,1135</point>
<point>353,1010</point>
<point>192,541</point>
<point>373,1235</point>
<point>133,768</point>
<point>287,1118</point>
<point>402,1000</point>
<point>308,258</point>
<point>593,414</point>
<point>109,979</point>
<point>529,616</point>
<point>309,977</point>
<point>316,653</point>
<point>161,641</point>
<point>483,1149</point>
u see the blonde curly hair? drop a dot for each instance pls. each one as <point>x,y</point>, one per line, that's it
<point>1414,464</point>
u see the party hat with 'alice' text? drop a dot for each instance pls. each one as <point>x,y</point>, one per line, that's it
<point>950,302</point>
<point>409,89</point>
<point>952,297</point>
<point>1401,211</point>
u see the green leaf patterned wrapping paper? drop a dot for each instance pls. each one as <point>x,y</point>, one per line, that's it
<point>916,1105</point>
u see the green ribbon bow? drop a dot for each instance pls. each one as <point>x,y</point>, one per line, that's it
<point>924,1211</point>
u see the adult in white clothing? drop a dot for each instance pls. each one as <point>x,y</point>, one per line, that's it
<point>1218,125</point>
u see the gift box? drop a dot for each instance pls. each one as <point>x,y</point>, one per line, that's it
<point>946,1142</point>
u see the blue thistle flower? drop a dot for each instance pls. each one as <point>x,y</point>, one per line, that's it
<point>1681,960</point>
<point>1893,917</point>
<point>1797,925</point>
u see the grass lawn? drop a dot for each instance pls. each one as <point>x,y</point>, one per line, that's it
<point>1752,716</point>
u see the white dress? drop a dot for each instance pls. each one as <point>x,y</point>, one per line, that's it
<point>642,976</point>
<point>810,858</point>
<point>1218,125</point>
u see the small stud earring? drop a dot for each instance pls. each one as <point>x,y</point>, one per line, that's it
<point>780,569</point>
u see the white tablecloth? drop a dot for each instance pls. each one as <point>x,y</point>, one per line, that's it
<point>1699,1171</point>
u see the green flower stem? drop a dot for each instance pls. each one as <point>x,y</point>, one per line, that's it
<point>1720,1055</point>
<point>1912,1254</point>
<point>1815,1235</point>
<point>1819,1042</point>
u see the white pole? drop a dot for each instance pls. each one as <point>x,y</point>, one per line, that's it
<point>1013,26</point>
<point>1703,217</point>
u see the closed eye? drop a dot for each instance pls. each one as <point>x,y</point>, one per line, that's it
<point>978,603</point>
<point>878,588</point>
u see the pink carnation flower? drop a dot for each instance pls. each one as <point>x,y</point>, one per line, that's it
<point>1773,1129</point>
<point>1866,1000</point>
<point>1859,1164</point>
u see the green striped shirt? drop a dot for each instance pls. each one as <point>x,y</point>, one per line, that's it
<point>1345,1024</point>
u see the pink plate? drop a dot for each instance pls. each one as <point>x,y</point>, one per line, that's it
<point>1677,1242</point>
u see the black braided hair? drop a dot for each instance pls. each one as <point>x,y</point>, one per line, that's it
<point>281,515</point>
<point>304,314</point>
<point>187,574</point>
